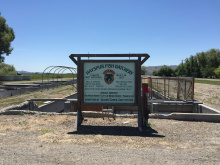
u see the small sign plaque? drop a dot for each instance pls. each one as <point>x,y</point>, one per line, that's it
<point>109,82</point>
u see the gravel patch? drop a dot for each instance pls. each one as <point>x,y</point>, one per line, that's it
<point>50,139</point>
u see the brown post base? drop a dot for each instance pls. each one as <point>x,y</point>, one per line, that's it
<point>79,120</point>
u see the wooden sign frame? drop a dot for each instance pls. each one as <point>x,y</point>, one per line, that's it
<point>141,58</point>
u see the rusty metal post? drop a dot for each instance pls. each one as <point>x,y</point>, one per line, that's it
<point>144,104</point>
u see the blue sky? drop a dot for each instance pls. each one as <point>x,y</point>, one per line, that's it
<point>48,31</point>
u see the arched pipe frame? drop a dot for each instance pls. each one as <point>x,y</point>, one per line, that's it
<point>57,71</point>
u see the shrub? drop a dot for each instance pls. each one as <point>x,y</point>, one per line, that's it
<point>6,69</point>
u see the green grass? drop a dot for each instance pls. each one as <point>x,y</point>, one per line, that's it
<point>59,92</point>
<point>44,131</point>
<point>21,113</point>
<point>207,82</point>
<point>150,124</point>
<point>37,76</point>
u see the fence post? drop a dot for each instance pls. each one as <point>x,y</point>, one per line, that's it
<point>193,83</point>
<point>164,92</point>
<point>185,91</point>
<point>145,110</point>
<point>151,88</point>
<point>178,88</point>
<point>168,90</point>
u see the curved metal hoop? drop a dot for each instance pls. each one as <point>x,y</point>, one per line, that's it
<point>59,68</point>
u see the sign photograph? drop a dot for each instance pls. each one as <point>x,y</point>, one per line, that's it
<point>109,82</point>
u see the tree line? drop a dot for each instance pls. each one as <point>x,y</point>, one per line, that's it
<point>202,65</point>
<point>7,35</point>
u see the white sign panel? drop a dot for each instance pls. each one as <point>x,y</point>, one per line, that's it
<point>109,82</point>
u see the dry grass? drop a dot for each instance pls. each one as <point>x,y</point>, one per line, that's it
<point>48,139</point>
<point>208,94</point>
<point>121,132</point>
<point>57,92</point>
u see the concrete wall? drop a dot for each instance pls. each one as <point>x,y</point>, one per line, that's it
<point>189,117</point>
<point>206,109</point>
<point>170,108</point>
<point>14,78</point>
<point>57,106</point>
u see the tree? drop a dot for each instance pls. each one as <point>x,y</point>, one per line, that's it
<point>197,70</point>
<point>143,70</point>
<point>165,71</point>
<point>178,70</point>
<point>6,37</point>
<point>202,64</point>
<point>208,72</point>
<point>213,58</point>
<point>217,71</point>
<point>191,66</point>
<point>6,69</point>
<point>202,59</point>
<point>155,73</point>
<point>187,67</point>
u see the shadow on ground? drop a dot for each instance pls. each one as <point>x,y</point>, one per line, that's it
<point>116,131</point>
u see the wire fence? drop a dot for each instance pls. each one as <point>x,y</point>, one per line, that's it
<point>170,88</point>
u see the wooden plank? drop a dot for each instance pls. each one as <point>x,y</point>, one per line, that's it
<point>140,115</point>
<point>139,55</point>
<point>111,55</point>
<point>73,59</point>
<point>47,100</point>
<point>79,113</point>
<point>145,59</point>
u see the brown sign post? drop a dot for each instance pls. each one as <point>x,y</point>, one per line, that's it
<point>109,82</point>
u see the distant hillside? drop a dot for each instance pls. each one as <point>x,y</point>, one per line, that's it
<point>23,71</point>
<point>151,68</point>
<point>26,72</point>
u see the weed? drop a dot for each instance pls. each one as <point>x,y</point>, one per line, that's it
<point>21,113</point>
<point>23,123</point>
<point>39,103</point>
<point>150,124</point>
<point>44,131</point>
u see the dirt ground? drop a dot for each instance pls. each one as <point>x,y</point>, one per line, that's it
<point>50,139</point>
<point>208,94</point>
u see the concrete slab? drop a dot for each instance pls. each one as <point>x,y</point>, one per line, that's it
<point>189,117</point>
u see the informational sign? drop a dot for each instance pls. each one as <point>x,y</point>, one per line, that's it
<point>109,82</point>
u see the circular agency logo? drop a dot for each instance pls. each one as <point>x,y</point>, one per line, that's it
<point>109,76</point>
